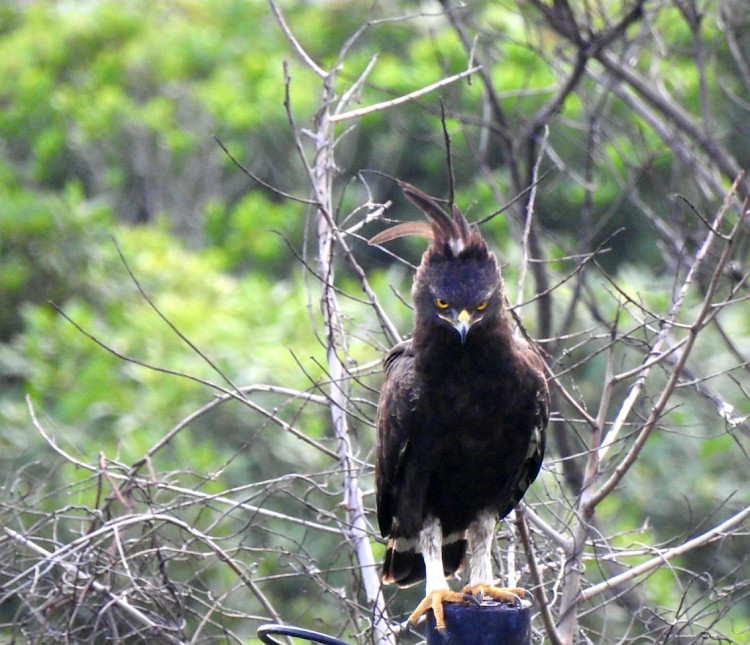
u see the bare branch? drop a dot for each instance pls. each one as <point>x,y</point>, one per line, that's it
<point>386,105</point>
<point>85,579</point>
<point>298,49</point>
<point>720,531</point>
<point>635,390</point>
<point>257,179</point>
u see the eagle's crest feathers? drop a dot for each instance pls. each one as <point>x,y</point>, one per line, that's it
<point>450,234</point>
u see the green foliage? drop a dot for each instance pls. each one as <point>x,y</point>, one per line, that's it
<point>253,232</point>
<point>47,246</point>
<point>118,103</point>
<point>108,115</point>
<point>94,392</point>
<point>99,400</point>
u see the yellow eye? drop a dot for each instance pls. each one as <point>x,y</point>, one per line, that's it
<point>441,304</point>
<point>482,306</point>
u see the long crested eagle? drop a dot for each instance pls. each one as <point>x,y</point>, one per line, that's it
<point>461,418</point>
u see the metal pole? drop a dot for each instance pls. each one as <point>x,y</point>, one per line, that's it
<point>489,623</point>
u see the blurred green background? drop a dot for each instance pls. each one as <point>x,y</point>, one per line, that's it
<point>109,115</point>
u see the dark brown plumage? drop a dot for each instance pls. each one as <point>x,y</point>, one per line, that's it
<point>462,413</point>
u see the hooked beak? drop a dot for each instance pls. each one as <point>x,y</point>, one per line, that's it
<point>462,323</point>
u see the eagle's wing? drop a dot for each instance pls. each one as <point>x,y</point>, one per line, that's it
<point>401,478</point>
<point>539,419</point>
<point>396,412</point>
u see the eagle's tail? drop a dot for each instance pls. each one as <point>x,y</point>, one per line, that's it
<point>404,565</point>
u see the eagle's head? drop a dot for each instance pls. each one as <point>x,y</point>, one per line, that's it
<point>462,291</point>
<point>458,283</point>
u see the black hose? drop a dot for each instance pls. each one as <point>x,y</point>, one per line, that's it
<point>265,631</point>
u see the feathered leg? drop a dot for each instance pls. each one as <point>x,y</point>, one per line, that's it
<point>436,587</point>
<point>480,535</point>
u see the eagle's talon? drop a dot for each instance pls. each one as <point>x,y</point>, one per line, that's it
<point>434,600</point>
<point>472,599</point>
<point>514,595</point>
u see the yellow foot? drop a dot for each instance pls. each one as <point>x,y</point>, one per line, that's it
<point>502,594</point>
<point>434,600</point>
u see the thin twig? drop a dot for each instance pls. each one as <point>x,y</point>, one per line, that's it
<point>171,325</point>
<point>84,578</point>
<point>189,493</point>
<point>635,390</point>
<point>530,205</point>
<point>718,532</point>
<point>298,49</point>
<point>538,590</point>
<point>699,323</point>
<point>304,396</point>
<point>387,105</point>
<point>257,179</point>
